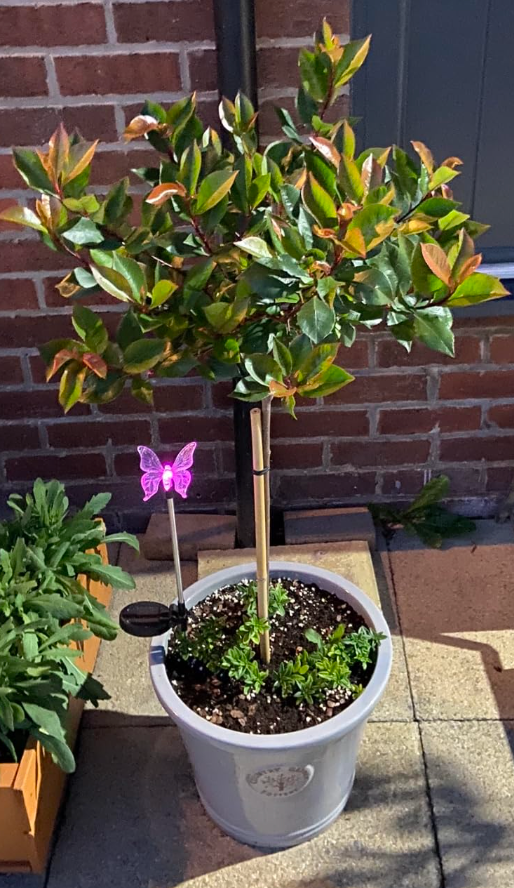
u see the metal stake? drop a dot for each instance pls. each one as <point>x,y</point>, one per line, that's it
<point>176,553</point>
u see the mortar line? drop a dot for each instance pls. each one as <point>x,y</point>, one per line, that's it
<point>416,721</point>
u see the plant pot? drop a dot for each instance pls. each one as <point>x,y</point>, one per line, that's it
<point>275,790</point>
<point>31,789</point>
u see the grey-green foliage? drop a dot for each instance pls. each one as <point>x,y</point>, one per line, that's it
<point>425,517</point>
<point>306,678</point>
<point>43,550</point>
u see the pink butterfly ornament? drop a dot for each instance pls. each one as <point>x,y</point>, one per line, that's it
<point>176,476</point>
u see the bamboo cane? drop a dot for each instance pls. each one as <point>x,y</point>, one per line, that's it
<point>266,444</point>
<point>259,493</point>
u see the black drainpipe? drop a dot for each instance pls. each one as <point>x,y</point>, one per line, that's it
<point>234,23</point>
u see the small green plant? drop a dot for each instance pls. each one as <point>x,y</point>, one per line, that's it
<point>425,517</point>
<point>43,606</point>
<point>307,678</point>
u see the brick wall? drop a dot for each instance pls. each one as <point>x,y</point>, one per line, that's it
<point>91,64</point>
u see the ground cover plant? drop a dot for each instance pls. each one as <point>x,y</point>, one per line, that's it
<point>44,608</point>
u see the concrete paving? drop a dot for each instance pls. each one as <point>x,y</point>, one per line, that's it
<point>432,805</point>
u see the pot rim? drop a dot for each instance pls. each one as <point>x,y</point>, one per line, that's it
<point>338,725</point>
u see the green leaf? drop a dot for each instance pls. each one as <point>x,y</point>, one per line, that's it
<point>162,292</point>
<point>330,380</point>
<point>263,369</point>
<point>316,319</point>
<point>190,165</point>
<point>478,287</point>
<point>113,283</point>
<point>224,317</point>
<point>59,750</point>
<point>441,177</point>
<point>118,203</point>
<point>370,220</point>
<point>70,387</point>
<point>314,637</point>
<point>46,719</point>
<point>143,355</point>
<point>22,216</point>
<point>84,232</point>
<point>90,328</point>
<point>433,492</point>
<point>437,206</point>
<point>353,57</point>
<point>282,356</point>
<point>349,177</point>
<point>213,189</point>
<point>319,203</point>
<point>433,326</point>
<point>255,246</point>
<point>32,170</point>
<point>128,330</point>
<point>142,390</point>
<point>259,189</point>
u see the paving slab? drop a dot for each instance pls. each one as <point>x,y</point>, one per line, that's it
<point>195,531</point>
<point>456,608</point>
<point>372,575</point>
<point>122,665</point>
<point>133,819</point>
<point>471,780</point>
<point>329,525</point>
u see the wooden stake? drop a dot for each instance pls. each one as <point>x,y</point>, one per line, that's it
<point>259,495</point>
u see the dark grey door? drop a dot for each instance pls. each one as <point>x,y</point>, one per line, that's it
<point>442,71</point>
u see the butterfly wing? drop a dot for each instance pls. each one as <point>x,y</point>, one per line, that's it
<point>181,480</point>
<point>184,459</point>
<point>150,483</point>
<point>150,462</point>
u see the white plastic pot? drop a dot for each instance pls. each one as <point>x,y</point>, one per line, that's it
<point>275,790</point>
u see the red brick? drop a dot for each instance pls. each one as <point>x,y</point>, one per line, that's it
<point>488,384</point>
<point>464,481</point>
<point>299,489</point>
<point>320,423</point>
<point>204,429</point>
<point>502,415</point>
<point>171,398</point>
<point>300,18</point>
<point>170,21</point>
<point>379,453</point>
<point>502,349</point>
<point>34,126</point>
<point>490,448</point>
<point>23,76</point>
<point>62,467</point>
<point>10,372</point>
<point>418,420</point>
<point>399,483</point>
<point>128,463</point>
<point>31,255</point>
<point>390,353</point>
<point>20,294</point>
<point>24,405</point>
<point>278,67</point>
<point>202,69</point>
<point>208,113</point>
<point>45,25</point>
<point>120,73</point>
<point>299,456</point>
<point>9,175</point>
<point>111,166</point>
<point>499,479</point>
<point>382,387</point>
<point>29,332</point>
<point>19,437</point>
<point>354,358</point>
<point>98,433</point>
<point>53,298</point>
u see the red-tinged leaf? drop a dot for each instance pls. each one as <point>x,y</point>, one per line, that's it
<point>469,266</point>
<point>354,242</point>
<point>96,364</point>
<point>62,357</point>
<point>22,216</point>
<point>159,195</point>
<point>70,388</point>
<point>371,174</point>
<point>437,261</point>
<point>139,126</point>
<point>58,151</point>
<point>79,158</point>
<point>425,155</point>
<point>348,140</point>
<point>68,286</point>
<point>452,162</point>
<point>279,390</point>
<point>326,149</point>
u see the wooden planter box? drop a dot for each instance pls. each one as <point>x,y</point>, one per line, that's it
<point>31,790</point>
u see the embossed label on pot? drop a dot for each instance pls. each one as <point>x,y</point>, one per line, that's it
<point>281,780</point>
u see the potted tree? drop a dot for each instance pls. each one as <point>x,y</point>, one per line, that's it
<point>259,266</point>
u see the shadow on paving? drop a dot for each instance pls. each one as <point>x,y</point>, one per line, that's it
<point>133,820</point>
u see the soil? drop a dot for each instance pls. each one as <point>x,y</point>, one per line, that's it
<point>221,700</point>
